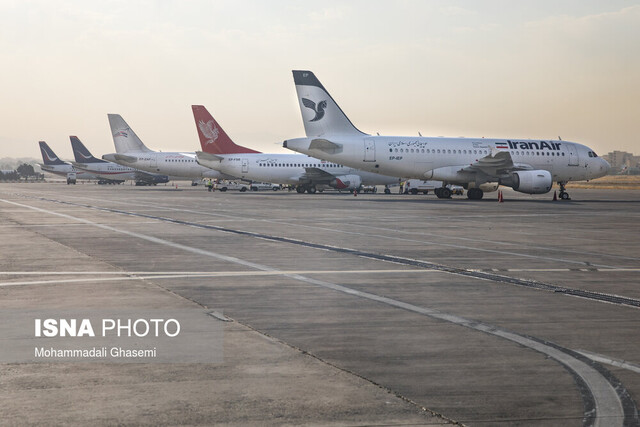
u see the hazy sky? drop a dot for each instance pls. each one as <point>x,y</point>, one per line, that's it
<point>499,68</point>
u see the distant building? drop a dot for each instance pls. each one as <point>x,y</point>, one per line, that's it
<point>621,159</point>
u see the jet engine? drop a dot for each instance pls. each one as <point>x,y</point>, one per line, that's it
<point>346,182</point>
<point>530,182</point>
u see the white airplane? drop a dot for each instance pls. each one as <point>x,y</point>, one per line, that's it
<point>52,163</point>
<point>86,162</point>
<point>130,151</point>
<point>219,152</point>
<point>477,164</point>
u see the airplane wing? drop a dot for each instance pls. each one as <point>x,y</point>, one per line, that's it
<point>496,164</point>
<point>315,175</point>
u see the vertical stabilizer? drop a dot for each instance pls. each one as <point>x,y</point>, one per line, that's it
<point>124,138</point>
<point>49,158</point>
<point>81,153</point>
<point>321,115</point>
<point>213,139</point>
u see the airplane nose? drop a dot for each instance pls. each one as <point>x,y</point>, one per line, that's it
<point>605,165</point>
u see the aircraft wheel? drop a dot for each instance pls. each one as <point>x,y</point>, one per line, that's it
<point>475,194</point>
<point>443,193</point>
<point>565,196</point>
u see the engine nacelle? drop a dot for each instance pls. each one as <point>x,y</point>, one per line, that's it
<point>530,182</point>
<point>346,182</point>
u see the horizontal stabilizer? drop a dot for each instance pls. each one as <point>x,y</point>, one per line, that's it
<point>208,156</point>
<point>79,165</point>
<point>125,158</point>
<point>325,145</point>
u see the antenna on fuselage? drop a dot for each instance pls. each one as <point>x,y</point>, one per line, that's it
<point>559,139</point>
<point>419,133</point>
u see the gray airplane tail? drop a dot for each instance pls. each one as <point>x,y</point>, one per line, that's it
<point>124,138</point>
<point>321,115</point>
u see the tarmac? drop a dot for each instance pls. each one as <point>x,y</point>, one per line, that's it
<point>368,310</point>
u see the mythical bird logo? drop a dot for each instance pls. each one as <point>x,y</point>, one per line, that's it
<point>209,130</point>
<point>319,110</point>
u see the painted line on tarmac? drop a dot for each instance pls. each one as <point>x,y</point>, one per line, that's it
<point>606,401</point>
<point>155,276</point>
<point>610,361</point>
<point>482,275</point>
<point>334,230</point>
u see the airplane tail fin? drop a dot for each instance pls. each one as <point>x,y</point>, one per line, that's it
<point>124,138</point>
<point>81,153</point>
<point>321,115</point>
<point>48,156</point>
<point>213,139</point>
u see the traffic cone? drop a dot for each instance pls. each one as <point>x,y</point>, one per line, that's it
<point>555,196</point>
<point>500,198</point>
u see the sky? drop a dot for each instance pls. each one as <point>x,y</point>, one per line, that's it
<point>492,68</point>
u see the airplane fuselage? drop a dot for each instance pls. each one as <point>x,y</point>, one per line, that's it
<point>167,163</point>
<point>65,169</point>
<point>286,168</point>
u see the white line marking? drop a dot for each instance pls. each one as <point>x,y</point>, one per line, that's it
<point>608,405</point>
<point>610,361</point>
<point>155,276</point>
<point>428,242</point>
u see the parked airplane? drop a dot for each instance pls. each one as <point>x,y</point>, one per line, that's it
<point>130,151</point>
<point>52,163</point>
<point>219,152</point>
<point>85,161</point>
<point>478,164</point>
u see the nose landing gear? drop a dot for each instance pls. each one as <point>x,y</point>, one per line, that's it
<point>563,192</point>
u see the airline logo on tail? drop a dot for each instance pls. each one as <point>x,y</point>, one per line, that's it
<point>319,110</point>
<point>209,130</point>
<point>121,133</point>
<point>50,156</point>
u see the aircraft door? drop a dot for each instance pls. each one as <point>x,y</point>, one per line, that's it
<point>369,150</point>
<point>573,154</point>
<point>245,165</point>
<point>154,162</point>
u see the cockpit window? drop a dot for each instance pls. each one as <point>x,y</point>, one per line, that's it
<point>592,154</point>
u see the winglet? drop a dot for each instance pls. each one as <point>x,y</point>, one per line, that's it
<point>213,139</point>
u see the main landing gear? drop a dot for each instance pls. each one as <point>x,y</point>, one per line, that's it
<point>311,189</point>
<point>475,194</point>
<point>443,192</point>
<point>563,192</point>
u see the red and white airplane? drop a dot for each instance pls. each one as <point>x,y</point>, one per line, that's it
<point>219,152</point>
